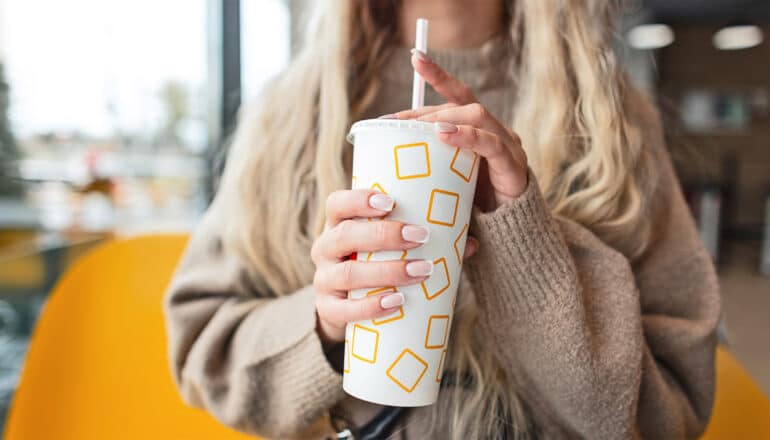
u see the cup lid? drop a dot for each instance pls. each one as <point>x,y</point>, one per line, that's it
<point>387,124</point>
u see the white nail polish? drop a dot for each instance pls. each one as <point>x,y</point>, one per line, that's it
<point>445,127</point>
<point>383,202</point>
<point>392,300</point>
<point>421,268</point>
<point>422,56</point>
<point>415,234</point>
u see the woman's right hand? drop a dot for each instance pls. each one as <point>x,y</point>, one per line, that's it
<point>336,273</point>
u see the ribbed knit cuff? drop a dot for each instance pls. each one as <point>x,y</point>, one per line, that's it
<point>523,264</point>
<point>291,336</point>
<point>306,372</point>
<point>287,355</point>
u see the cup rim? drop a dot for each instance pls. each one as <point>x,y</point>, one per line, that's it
<point>392,124</point>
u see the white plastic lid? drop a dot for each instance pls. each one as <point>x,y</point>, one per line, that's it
<point>387,124</point>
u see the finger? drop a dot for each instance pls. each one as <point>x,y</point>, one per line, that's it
<point>350,275</point>
<point>361,236</point>
<point>419,112</point>
<point>345,204</point>
<point>341,310</point>
<point>471,247</point>
<point>500,158</point>
<point>452,89</point>
<point>476,115</point>
<point>472,114</point>
<point>487,144</point>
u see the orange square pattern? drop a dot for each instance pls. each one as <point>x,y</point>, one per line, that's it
<point>430,295</point>
<point>440,369</point>
<point>463,175</point>
<point>434,330</point>
<point>457,242</point>
<point>407,153</point>
<point>365,333</point>
<point>411,356</point>
<point>442,196</point>
<point>370,254</point>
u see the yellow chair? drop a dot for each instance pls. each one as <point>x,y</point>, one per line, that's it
<point>97,365</point>
<point>741,410</point>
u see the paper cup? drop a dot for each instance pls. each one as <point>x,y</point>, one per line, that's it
<point>398,359</point>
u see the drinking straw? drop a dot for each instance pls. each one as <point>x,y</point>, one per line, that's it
<point>421,44</point>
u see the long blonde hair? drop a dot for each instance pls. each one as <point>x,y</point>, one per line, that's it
<point>583,144</point>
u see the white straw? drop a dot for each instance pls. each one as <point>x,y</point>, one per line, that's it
<point>421,44</point>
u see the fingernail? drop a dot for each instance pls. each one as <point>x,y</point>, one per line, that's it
<point>416,234</point>
<point>392,300</point>
<point>445,127</point>
<point>383,202</point>
<point>421,268</point>
<point>388,116</point>
<point>422,56</point>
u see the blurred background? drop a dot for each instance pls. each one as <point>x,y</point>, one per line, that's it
<point>113,114</point>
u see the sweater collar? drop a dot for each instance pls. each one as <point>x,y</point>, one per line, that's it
<point>485,67</point>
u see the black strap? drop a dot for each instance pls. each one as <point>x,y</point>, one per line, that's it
<point>382,425</point>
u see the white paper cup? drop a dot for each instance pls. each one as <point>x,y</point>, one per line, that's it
<point>398,360</point>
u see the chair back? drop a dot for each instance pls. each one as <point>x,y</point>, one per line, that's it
<point>97,366</point>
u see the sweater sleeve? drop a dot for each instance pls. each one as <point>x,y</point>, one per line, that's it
<point>255,362</point>
<point>600,349</point>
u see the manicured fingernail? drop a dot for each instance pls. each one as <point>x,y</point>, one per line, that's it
<point>416,234</point>
<point>421,268</point>
<point>422,56</point>
<point>383,202</point>
<point>392,300</point>
<point>388,116</point>
<point>445,127</point>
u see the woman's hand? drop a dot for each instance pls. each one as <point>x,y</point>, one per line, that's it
<point>336,273</point>
<point>465,123</point>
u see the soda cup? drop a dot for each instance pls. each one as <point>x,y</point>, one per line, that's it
<point>398,359</point>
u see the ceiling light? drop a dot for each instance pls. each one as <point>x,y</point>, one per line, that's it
<point>650,36</point>
<point>738,37</point>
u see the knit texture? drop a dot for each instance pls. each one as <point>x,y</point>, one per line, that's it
<point>600,346</point>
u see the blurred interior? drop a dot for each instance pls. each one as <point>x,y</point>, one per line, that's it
<point>112,122</point>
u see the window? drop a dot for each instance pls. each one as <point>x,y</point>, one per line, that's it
<point>112,92</point>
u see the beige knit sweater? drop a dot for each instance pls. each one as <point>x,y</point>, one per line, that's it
<point>600,346</point>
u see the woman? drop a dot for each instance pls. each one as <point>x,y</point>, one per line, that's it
<point>604,301</point>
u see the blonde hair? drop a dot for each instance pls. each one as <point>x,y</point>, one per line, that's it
<point>583,144</point>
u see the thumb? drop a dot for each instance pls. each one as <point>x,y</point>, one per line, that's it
<point>471,247</point>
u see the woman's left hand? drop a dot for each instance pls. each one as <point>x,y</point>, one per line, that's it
<point>464,123</point>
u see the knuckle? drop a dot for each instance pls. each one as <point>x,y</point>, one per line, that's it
<point>323,308</point>
<point>466,91</point>
<point>515,138</point>
<point>503,149</point>
<point>475,135</point>
<point>318,280</point>
<point>332,201</point>
<point>315,252</point>
<point>343,229</point>
<point>498,144</point>
<point>381,231</point>
<point>478,110</point>
<point>347,273</point>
